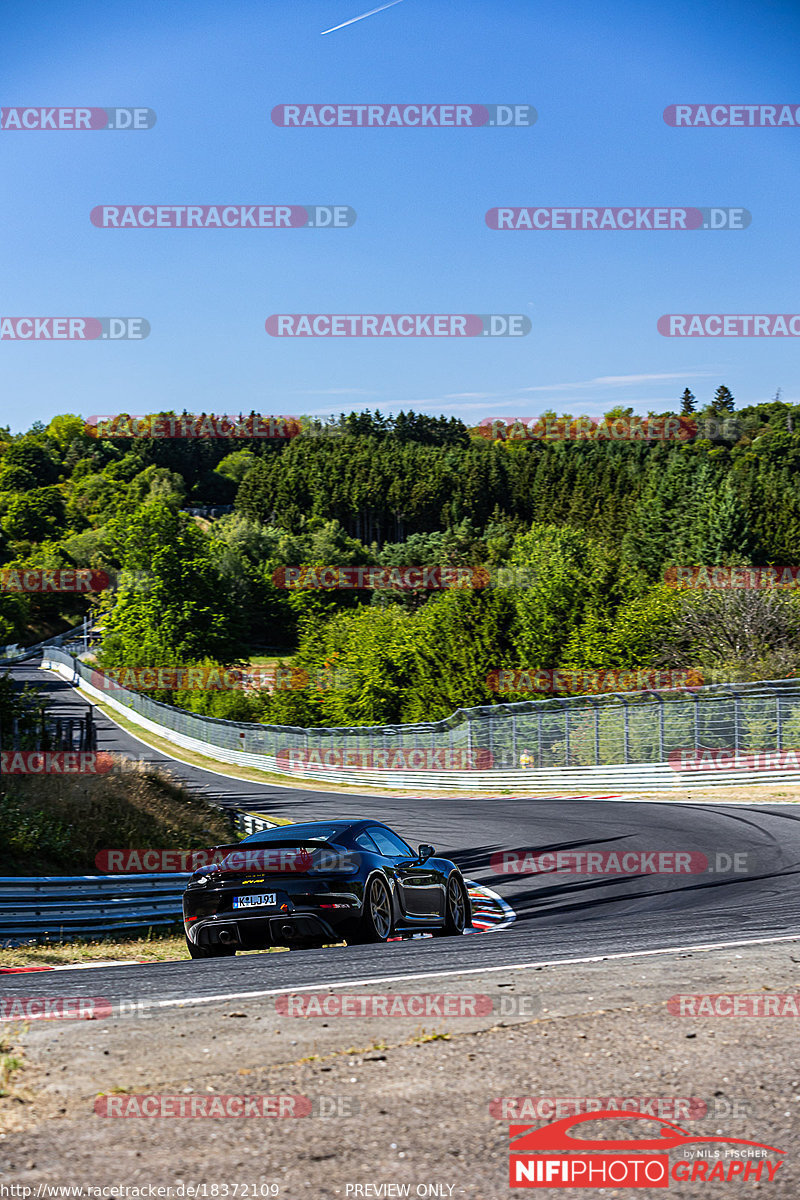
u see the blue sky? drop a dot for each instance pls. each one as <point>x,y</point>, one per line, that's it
<point>599,77</point>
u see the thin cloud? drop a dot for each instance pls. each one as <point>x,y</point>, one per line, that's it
<point>617,381</point>
<point>353,20</point>
<point>337,392</point>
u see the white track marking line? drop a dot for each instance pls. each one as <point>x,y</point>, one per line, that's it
<point>523,966</point>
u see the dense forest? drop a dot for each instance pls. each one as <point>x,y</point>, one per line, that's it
<point>585,527</point>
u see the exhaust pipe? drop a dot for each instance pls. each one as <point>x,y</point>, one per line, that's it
<point>226,937</point>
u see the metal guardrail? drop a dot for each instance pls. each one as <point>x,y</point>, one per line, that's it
<point>60,908</point>
<point>588,742</point>
<point>30,651</point>
<point>63,907</point>
<point>578,731</point>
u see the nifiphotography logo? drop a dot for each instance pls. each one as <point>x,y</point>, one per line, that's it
<point>634,1162</point>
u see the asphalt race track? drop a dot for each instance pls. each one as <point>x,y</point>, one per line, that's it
<point>559,917</point>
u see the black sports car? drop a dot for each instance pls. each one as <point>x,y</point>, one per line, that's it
<point>312,884</point>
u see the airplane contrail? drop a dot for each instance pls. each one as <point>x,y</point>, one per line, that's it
<point>353,20</point>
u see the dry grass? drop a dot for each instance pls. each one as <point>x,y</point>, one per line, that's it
<point>60,823</point>
<point>156,946</point>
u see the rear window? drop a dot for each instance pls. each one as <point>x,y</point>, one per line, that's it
<point>293,835</point>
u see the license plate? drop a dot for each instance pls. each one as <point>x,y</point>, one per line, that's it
<point>255,901</point>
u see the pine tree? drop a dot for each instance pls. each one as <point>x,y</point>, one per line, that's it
<point>730,535</point>
<point>687,403</point>
<point>723,400</point>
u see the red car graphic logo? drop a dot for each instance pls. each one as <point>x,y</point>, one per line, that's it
<point>525,1138</point>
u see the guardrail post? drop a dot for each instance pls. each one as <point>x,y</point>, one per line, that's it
<point>596,706</point>
<point>737,704</point>
<point>626,727</point>
<point>660,701</point>
<point>565,713</point>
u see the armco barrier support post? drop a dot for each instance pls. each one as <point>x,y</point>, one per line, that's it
<point>596,706</point>
<point>626,724</point>
<point>660,700</point>
<point>737,704</point>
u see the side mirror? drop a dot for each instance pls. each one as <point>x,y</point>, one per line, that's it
<point>426,852</point>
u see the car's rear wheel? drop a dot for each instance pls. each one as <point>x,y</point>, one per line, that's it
<point>376,923</point>
<point>457,907</point>
<point>213,950</point>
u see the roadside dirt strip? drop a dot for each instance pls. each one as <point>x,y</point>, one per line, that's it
<point>415,1084</point>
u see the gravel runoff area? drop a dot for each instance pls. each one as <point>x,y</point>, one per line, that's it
<point>407,1100</point>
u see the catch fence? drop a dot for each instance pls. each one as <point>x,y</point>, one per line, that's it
<point>621,730</point>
